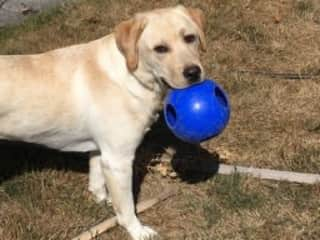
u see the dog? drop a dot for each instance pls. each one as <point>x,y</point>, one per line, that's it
<point>102,97</point>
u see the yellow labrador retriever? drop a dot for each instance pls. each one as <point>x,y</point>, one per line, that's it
<point>102,96</point>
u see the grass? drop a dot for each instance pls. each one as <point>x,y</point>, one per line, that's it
<point>39,202</point>
<point>31,24</point>
<point>304,7</point>
<point>233,195</point>
<point>274,124</point>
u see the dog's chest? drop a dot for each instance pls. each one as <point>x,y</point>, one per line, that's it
<point>149,110</point>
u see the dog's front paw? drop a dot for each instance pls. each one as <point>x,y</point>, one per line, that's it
<point>143,233</point>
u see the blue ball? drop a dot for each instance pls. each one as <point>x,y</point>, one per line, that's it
<point>198,112</point>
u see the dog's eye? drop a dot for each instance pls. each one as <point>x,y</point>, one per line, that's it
<point>190,38</point>
<point>161,49</point>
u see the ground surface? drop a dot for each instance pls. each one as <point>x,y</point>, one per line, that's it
<point>266,54</point>
<point>15,11</point>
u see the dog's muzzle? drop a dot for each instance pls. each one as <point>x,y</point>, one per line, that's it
<point>192,73</point>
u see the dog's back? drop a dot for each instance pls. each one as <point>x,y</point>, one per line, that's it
<point>36,103</point>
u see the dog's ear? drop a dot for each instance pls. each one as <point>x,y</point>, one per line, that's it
<point>197,16</point>
<point>127,34</point>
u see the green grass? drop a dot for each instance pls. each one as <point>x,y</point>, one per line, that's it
<point>232,194</point>
<point>304,7</point>
<point>211,211</point>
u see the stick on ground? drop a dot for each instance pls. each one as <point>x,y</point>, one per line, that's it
<point>112,222</point>
<point>262,173</point>
<point>270,174</point>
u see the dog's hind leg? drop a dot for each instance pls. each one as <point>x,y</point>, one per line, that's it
<point>96,179</point>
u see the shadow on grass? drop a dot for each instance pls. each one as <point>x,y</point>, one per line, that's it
<point>192,163</point>
<point>17,158</point>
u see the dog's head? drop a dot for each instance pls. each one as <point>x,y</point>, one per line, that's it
<point>164,43</point>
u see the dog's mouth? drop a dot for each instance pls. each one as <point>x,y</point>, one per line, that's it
<point>169,85</point>
<point>164,83</point>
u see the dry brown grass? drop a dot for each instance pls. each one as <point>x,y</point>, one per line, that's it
<point>275,124</point>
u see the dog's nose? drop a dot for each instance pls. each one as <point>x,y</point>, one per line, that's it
<point>192,73</point>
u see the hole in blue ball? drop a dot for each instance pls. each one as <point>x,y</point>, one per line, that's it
<point>221,96</point>
<point>171,115</point>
